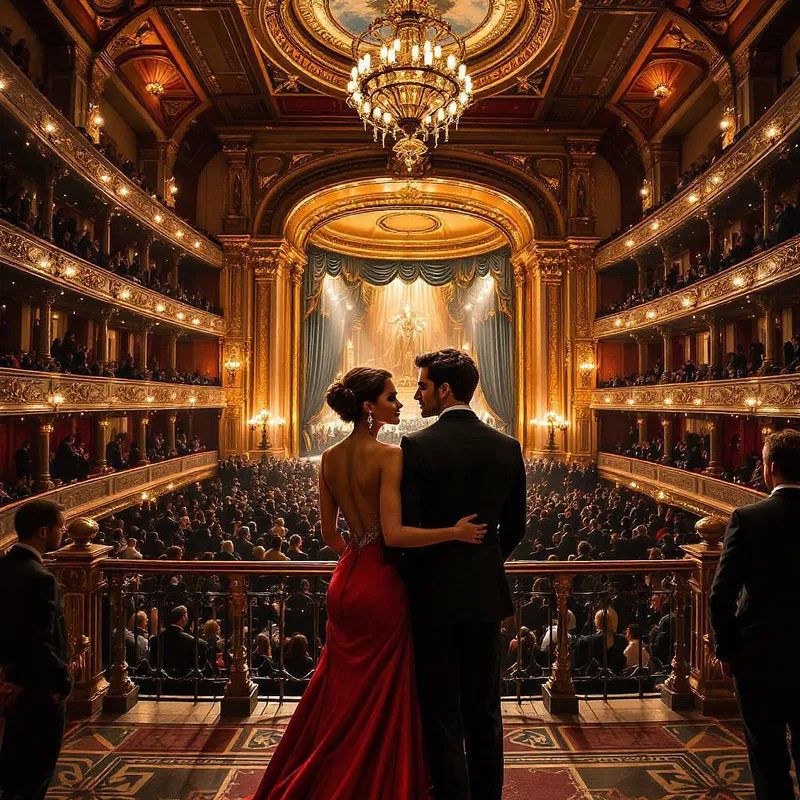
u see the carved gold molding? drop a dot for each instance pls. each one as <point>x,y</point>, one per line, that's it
<point>772,396</point>
<point>505,213</point>
<point>759,146</point>
<point>110,493</point>
<point>697,493</point>
<point>38,257</point>
<point>37,115</point>
<point>25,391</point>
<point>758,272</point>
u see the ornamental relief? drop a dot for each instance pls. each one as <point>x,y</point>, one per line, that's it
<point>759,272</point>
<point>754,147</point>
<point>61,268</point>
<point>22,392</point>
<point>33,111</point>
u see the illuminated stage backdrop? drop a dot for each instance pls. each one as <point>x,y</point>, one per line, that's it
<point>381,313</point>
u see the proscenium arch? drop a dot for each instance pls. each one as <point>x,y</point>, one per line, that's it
<point>430,194</point>
<point>510,184</point>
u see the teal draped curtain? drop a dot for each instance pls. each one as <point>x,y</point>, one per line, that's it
<point>325,336</point>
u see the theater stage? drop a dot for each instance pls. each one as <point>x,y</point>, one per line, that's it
<point>625,750</point>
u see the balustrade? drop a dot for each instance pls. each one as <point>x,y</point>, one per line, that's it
<point>239,611</point>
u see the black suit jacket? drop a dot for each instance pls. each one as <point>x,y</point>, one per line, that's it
<point>33,635</point>
<point>178,651</point>
<point>457,467</point>
<point>760,559</point>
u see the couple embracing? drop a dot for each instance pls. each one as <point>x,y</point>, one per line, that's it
<point>405,701</point>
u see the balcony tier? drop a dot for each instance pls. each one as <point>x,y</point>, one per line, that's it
<point>35,112</point>
<point>106,494</point>
<point>772,396</point>
<point>690,490</point>
<point>24,391</point>
<point>758,272</point>
<point>38,257</point>
<point>758,147</point>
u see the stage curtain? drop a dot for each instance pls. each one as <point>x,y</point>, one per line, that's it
<point>494,347</point>
<point>494,337</point>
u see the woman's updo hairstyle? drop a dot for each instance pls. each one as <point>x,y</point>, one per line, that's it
<point>348,395</point>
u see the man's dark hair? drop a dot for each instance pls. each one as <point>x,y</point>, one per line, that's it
<point>453,367</point>
<point>633,628</point>
<point>783,449</point>
<point>34,515</point>
<point>275,543</point>
<point>177,614</point>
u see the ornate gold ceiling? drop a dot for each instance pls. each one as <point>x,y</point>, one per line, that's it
<point>409,233</point>
<point>430,218</point>
<point>504,38</point>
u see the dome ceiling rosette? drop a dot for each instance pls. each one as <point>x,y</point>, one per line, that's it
<point>503,38</point>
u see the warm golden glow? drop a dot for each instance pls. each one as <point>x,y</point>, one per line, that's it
<point>155,88</point>
<point>409,82</point>
<point>662,91</point>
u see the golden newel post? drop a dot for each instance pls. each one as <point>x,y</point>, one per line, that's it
<point>558,693</point>
<point>78,568</point>
<point>713,692</point>
<point>241,694</point>
<point>677,691</point>
<point>122,694</point>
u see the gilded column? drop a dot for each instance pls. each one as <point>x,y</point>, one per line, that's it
<point>102,336</point>
<point>46,323</point>
<point>641,273</point>
<point>714,430</point>
<point>100,440</point>
<point>766,182</point>
<point>298,362</point>
<point>172,353</point>
<point>525,410</point>
<point>236,212</point>
<point>172,419</point>
<point>43,482</point>
<point>641,345</point>
<point>558,693</point>
<point>666,427</point>
<point>641,425</point>
<point>144,420</point>
<point>143,336</point>
<point>581,203</point>
<point>666,335</point>
<point>551,356</point>
<point>766,326</point>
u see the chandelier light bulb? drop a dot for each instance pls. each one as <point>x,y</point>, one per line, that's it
<point>452,108</point>
<point>427,46</point>
<point>387,117</point>
<point>451,61</point>
<point>377,113</point>
<point>440,114</point>
<point>391,57</point>
<point>397,45</point>
<point>354,73</point>
<point>462,71</point>
<point>384,52</point>
<point>428,58</point>
<point>415,52</point>
<point>437,51</point>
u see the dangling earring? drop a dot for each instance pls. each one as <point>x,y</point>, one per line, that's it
<point>370,420</point>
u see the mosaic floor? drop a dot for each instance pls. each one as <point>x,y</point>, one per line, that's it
<point>608,755</point>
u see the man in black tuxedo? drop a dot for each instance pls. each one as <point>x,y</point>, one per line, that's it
<point>759,640</point>
<point>178,646</point>
<point>33,655</point>
<point>458,592</point>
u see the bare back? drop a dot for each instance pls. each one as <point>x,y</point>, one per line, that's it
<point>351,470</point>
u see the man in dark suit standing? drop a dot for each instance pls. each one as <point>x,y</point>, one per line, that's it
<point>759,641</point>
<point>33,651</point>
<point>458,592</point>
<point>178,646</point>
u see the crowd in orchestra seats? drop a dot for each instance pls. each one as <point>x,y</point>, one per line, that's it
<point>740,247</point>
<point>321,436</point>
<point>268,511</point>
<point>692,453</point>
<point>70,461</point>
<point>67,356</point>
<point>737,365</point>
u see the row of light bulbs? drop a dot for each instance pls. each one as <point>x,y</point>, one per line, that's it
<point>751,403</point>
<point>770,135</point>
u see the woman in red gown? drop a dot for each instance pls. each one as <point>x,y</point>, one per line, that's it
<point>356,733</point>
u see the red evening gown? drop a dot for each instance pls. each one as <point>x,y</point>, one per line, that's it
<point>356,734</point>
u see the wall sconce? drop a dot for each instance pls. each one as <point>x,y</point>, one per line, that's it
<point>585,369</point>
<point>662,91</point>
<point>552,422</point>
<point>155,88</point>
<point>56,400</point>
<point>233,366</point>
<point>752,404</point>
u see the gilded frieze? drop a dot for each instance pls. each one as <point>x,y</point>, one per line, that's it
<point>774,395</point>
<point>37,257</point>
<point>758,146</point>
<point>44,121</point>
<point>759,272</point>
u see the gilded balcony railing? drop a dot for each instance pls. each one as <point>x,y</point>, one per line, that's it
<point>106,494</point>
<point>24,391</point>
<point>242,615</point>
<point>761,271</point>
<point>693,491</point>
<point>67,271</point>
<point>54,132</point>
<point>761,145</point>
<point>768,396</point>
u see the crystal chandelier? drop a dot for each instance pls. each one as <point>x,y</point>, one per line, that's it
<point>410,81</point>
